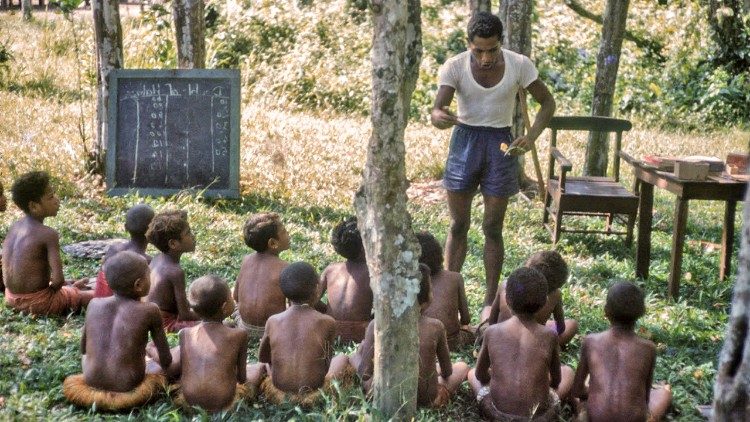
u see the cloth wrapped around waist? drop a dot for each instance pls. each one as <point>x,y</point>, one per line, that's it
<point>79,393</point>
<point>462,337</point>
<point>351,330</point>
<point>46,301</point>
<point>101,288</point>
<point>306,398</point>
<point>545,412</point>
<point>172,325</point>
<point>241,392</point>
<point>254,332</point>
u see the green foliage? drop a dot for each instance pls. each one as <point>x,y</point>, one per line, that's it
<point>68,6</point>
<point>6,57</point>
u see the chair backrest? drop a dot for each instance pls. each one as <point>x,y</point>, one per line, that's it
<point>589,124</point>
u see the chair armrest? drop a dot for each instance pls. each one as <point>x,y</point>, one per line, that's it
<point>565,164</point>
<point>628,158</point>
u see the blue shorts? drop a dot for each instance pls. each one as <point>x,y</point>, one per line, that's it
<point>475,159</point>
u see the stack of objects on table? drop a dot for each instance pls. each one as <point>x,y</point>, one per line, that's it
<point>696,167</point>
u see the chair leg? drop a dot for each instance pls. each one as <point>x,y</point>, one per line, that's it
<point>558,227</point>
<point>610,219</point>
<point>629,234</point>
<point>547,201</point>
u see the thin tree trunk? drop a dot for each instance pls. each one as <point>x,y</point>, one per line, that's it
<point>26,9</point>
<point>190,30</point>
<point>731,389</point>
<point>607,63</point>
<point>385,223</point>
<point>108,40</point>
<point>476,6</point>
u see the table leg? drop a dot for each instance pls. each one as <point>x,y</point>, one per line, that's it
<point>727,240</point>
<point>645,217</point>
<point>678,241</point>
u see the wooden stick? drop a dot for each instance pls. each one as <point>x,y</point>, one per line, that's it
<point>534,154</point>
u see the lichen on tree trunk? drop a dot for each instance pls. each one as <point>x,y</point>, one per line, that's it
<point>607,63</point>
<point>390,246</point>
<point>732,385</point>
<point>190,30</point>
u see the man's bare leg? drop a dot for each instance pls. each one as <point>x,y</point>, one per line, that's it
<point>459,205</point>
<point>494,249</point>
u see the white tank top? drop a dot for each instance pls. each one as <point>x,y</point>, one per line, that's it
<point>480,106</point>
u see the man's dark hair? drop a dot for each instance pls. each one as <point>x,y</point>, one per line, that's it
<point>346,239</point>
<point>29,187</point>
<point>138,218</point>
<point>625,303</point>
<point>432,252</point>
<point>260,228</point>
<point>166,226</point>
<point>526,290</point>
<point>484,25</point>
<point>552,265</point>
<point>123,269</point>
<point>299,281</point>
<point>207,294</point>
<point>425,284</point>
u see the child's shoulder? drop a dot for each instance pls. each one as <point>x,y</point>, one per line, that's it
<point>431,323</point>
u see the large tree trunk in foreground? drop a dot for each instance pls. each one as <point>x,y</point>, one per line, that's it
<point>390,246</point>
<point>26,9</point>
<point>607,63</point>
<point>190,30</point>
<point>476,6</point>
<point>732,386</point>
<point>108,39</point>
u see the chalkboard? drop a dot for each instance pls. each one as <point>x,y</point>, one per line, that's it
<point>171,130</point>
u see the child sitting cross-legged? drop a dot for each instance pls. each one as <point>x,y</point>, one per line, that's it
<point>298,344</point>
<point>212,356</point>
<point>137,220</point>
<point>518,374</point>
<point>114,341</point>
<point>439,379</point>
<point>257,289</point>
<point>348,283</point>
<point>32,266</point>
<point>620,365</point>
<point>449,303</point>
<point>555,270</point>
<point>170,232</point>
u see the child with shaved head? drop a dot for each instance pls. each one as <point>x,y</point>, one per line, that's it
<point>212,356</point>
<point>137,220</point>
<point>298,344</point>
<point>518,374</point>
<point>114,341</point>
<point>348,283</point>
<point>257,289</point>
<point>170,232</point>
<point>620,365</point>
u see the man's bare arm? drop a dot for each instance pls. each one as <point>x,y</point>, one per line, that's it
<point>441,117</point>
<point>541,94</point>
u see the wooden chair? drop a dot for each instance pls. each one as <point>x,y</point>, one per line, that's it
<point>587,195</point>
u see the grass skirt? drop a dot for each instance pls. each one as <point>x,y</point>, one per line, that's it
<point>78,392</point>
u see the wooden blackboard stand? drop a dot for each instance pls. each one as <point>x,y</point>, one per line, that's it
<point>174,130</point>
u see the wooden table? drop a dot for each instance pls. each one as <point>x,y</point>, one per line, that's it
<point>715,188</point>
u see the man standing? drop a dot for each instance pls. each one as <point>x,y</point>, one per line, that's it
<point>485,80</point>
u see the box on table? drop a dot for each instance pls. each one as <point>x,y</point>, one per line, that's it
<point>691,170</point>
<point>737,163</point>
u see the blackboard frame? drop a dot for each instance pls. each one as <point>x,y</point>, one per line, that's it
<point>230,75</point>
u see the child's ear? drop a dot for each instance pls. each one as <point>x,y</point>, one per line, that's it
<point>273,243</point>
<point>172,243</point>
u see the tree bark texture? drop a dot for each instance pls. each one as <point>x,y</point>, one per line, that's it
<point>190,30</point>
<point>390,245</point>
<point>109,56</point>
<point>476,6</point>
<point>26,9</point>
<point>607,63</point>
<point>731,388</point>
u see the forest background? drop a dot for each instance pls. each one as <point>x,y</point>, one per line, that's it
<point>305,98</point>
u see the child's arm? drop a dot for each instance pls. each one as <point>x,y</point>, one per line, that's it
<point>579,383</point>
<point>183,309</point>
<point>367,354</point>
<point>242,359</point>
<point>52,242</point>
<point>554,364</point>
<point>483,364</point>
<point>322,288</point>
<point>160,339</point>
<point>444,356</point>
<point>264,351</point>
<point>650,377</point>
<point>83,340</point>
<point>559,316</point>
<point>463,304</point>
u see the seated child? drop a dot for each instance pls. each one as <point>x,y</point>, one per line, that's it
<point>3,205</point>
<point>257,289</point>
<point>170,232</point>
<point>620,365</point>
<point>518,374</point>
<point>437,383</point>
<point>298,344</point>
<point>32,267</point>
<point>552,265</point>
<point>114,341</point>
<point>137,220</point>
<point>212,356</point>
<point>448,295</point>
<point>348,283</point>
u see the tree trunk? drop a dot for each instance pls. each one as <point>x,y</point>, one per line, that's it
<point>26,9</point>
<point>476,6</point>
<point>190,29</point>
<point>390,245</point>
<point>516,18</point>
<point>731,389</point>
<point>108,40</point>
<point>607,62</point>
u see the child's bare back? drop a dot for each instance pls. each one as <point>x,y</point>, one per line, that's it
<point>258,291</point>
<point>349,293</point>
